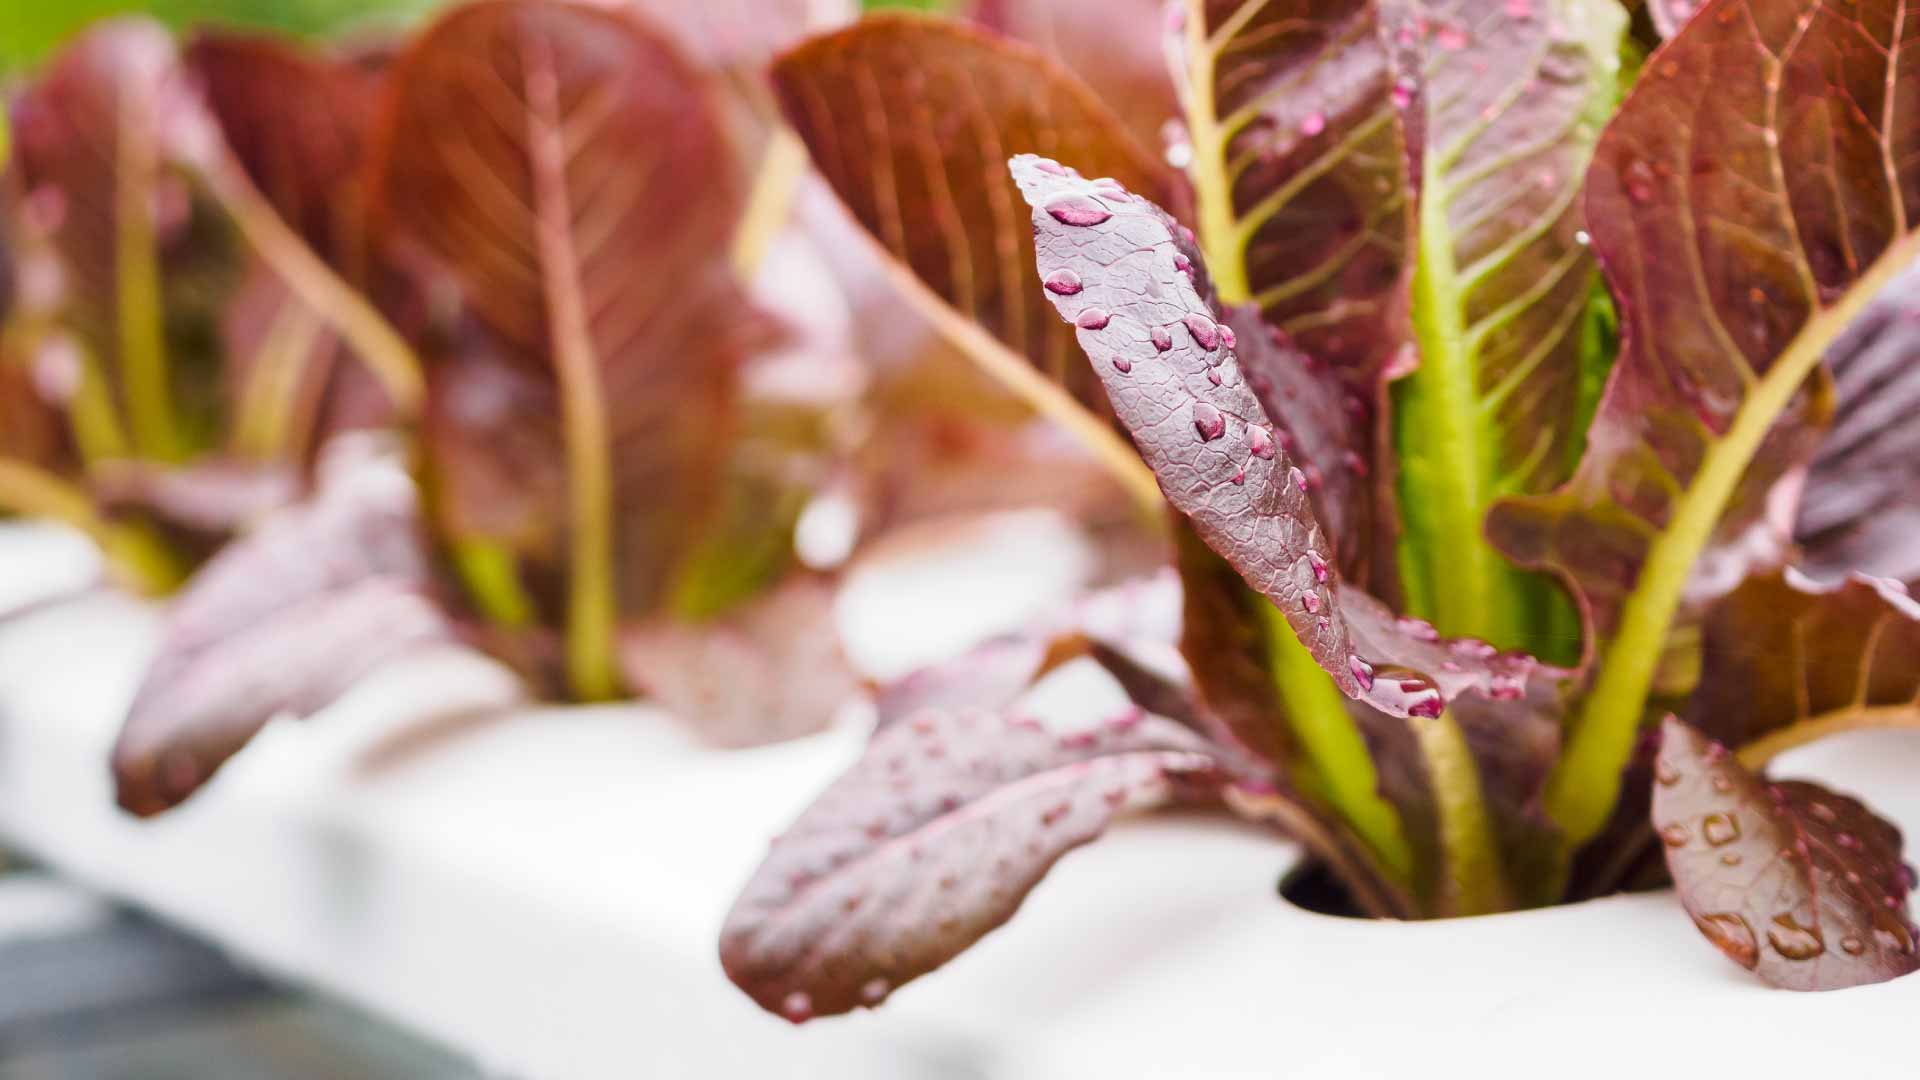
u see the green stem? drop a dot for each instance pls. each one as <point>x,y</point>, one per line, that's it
<point>1333,748</point>
<point>136,556</point>
<point>492,579</point>
<point>140,333</point>
<point>1452,576</point>
<point>1474,883</point>
<point>264,428</point>
<point>1586,782</point>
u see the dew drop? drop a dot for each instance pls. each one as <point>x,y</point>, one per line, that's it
<point>1852,946</point>
<point>1122,365</point>
<point>1319,565</point>
<point>1731,858</point>
<point>1208,422</point>
<point>1161,339</point>
<point>1504,687</point>
<point>1063,282</point>
<point>1639,179</point>
<point>1092,318</point>
<point>1731,934</point>
<point>1362,671</point>
<point>1665,773</point>
<point>1260,442</point>
<point>1674,835</point>
<point>1310,601</point>
<point>1050,166</point>
<point>1582,237</point>
<point>1182,263</point>
<point>1205,333</point>
<point>1313,124</point>
<point>1822,811</point>
<point>1846,840</point>
<point>1472,648</point>
<point>1078,210</point>
<point>1793,941</point>
<point>875,990</point>
<point>1402,94</point>
<point>1720,828</point>
<point>1721,782</point>
<point>1239,477</point>
<point>798,1006</point>
<point>1227,336</point>
<point>1213,376</point>
<point>1298,478</point>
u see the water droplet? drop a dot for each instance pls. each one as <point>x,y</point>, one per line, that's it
<point>1050,166</point>
<point>1126,720</point>
<point>1852,946</point>
<point>1319,565</point>
<point>1846,840</point>
<point>1111,188</point>
<point>797,1007</point>
<point>1731,858</point>
<point>1313,124</point>
<point>1122,365</point>
<point>1079,740</point>
<point>1720,828</point>
<point>1311,601</point>
<point>875,990</point>
<point>1355,464</point>
<point>1186,235</point>
<point>1161,339</point>
<point>1473,648</point>
<point>1260,442</point>
<point>1115,797</point>
<point>1208,421</point>
<point>1504,687</point>
<point>1670,68</point>
<point>1891,932</point>
<point>1822,811</point>
<point>1063,283</point>
<point>1213,376</point>
<point>1182,263</point>
<point>1205,333</point>
<point>1674,835</point>
<point>1298,478</point>
<point>1227,336</point>
<point>1051,815</point>
<point>1402,94</point>
<point>1665,773</point>
<point>1721,782</point>
<point>1639,179</point>
<point>1793,941</point>
<point>1427,705</point>
<point>1418,629</point>
<point>1582,237</point>
<point>1078,210</point>
<point>1731,934</point>
<point>1239,477</point>
<point>1362,671</point>
<point>1092,318</point>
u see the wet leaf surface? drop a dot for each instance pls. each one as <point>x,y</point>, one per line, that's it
<point>1802,886</point>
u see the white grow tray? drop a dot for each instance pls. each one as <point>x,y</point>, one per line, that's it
<point>543,891</point>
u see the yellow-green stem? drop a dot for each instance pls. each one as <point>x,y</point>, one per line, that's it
<point>1474,883</point>
<point>135,555</point>
<point>1586,781</point>
<point>140,333</point>
<point>770,201</point>
<point>492,579</point>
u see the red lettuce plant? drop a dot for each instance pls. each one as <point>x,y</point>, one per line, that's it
<point>1463,360</point>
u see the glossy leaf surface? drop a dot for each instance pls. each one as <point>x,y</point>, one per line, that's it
<point>1802,886</point>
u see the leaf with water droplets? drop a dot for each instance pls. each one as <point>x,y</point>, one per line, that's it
<point>1861,509</point>
<point>569,169</point>
<point>910,119</point>
<point>1786,660</point>
<point>1509,112</point>
<point>281,621</point>
<point>1800,885</point>
<point>932,839</point>
<point>1302,155</point>
<point>1748,200</point>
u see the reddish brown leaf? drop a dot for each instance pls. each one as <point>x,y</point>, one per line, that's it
<point>911,120</point>
<point>931,840</point>
<point>1113,45</point>
<point>1801,886</point>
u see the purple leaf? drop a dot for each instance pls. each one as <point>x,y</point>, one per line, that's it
<point>211,497</point>
<point>1744,206</point>
<point>931,840</point>
<point>1861,510</point>
<point>770,669</point>
<point>1801,886</point>
<point>281,621</point>
<point>1786,660</point>
<point>1114,45</point>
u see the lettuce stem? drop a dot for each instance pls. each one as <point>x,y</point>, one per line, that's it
<point>1474,883</point>
<point>140,335</point>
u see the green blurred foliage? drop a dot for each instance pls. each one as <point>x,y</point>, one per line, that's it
<point>33,28</point>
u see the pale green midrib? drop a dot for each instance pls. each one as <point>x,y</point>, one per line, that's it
<point>1586,781</point>
<point>1333,747</point>
<point>1336,753</point>
<point>1439,424</point>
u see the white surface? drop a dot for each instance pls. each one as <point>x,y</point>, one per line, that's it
<point>543,890</point>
